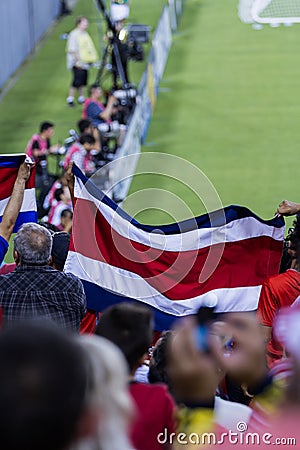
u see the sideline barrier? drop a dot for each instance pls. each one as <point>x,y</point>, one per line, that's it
<point>123,170</point>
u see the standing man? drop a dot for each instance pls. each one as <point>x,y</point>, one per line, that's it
<point>81,53</point>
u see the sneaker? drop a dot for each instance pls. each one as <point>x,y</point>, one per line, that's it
<point>70,101</point>
<point>81,99</point>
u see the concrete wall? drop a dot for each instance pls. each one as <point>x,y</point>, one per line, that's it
<point>22,24</point>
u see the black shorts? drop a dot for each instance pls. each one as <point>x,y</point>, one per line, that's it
<point>80,77</point>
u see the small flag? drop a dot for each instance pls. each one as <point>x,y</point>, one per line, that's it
<point>9,166</point>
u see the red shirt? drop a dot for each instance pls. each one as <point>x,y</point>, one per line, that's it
<point>88,323</point>
<point>277,292</point>
<point>155,413</point>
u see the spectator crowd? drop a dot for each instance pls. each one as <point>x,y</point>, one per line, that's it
<point>72,378</point>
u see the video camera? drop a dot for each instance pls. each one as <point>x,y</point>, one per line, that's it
<point>124,44</point>
<point>134,35</point>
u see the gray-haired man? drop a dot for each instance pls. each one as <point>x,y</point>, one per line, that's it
<point>35,289</point>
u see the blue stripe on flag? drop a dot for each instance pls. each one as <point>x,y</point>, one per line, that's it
<point>98,299</point>
<point>217,218</point>
<point>24,217</point>
<point>11,161</point>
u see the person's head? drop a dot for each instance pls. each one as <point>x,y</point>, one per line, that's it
<point>108,392</point>
<point>47,129</point>
<point>87,141</point>
<point>32,245</point>
<point>58,194</point>
<point>85,126</point>
<point>130,327</point>
<point>82,23</point>
<point>50,227</point>
<point>158,363</point>
<point>60,248</point>
<point>43,387</point>
<point>66,218</point>
<point>95,91</point>
<point>62,194</point>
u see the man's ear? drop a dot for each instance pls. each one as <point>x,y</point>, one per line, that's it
<point>16,257</point>
<point>50,262</point>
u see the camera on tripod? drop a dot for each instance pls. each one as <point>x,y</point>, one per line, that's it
<point>123,44</point>
<point>134,35</point>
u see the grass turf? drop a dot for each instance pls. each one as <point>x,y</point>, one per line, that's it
<point>229,105</point>
<point>42,85</point>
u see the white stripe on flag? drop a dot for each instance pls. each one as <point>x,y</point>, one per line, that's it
<point>128,284</point>
<point>237,230</point>
<point>29,202</point>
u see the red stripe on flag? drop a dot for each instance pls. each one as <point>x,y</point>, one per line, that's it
<point>175,274</point>
<point>8,177</point>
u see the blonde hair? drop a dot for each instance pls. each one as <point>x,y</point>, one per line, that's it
<point>108,392</point>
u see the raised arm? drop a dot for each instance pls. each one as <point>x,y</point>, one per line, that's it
<point>13,207</point>
<point>107,113</point>
<point>71,181</point>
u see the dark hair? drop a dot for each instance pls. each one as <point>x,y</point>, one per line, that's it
<point>66,212</point>
<point>93,87</point>
<point>45,126</point>
<point>60,248</point>
<point>130,327</point>
<point>80,19</point>
<point>57,194</point>
<point>83,124</point>
<point>49,226</point>
<point>43,386</point>
<point>87,139</point>
<point>158,363</point>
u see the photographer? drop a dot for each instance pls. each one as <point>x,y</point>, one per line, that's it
<point>80,153</point>
<point>38,148</point>
<point>94,110</point>
<point>85,127</point>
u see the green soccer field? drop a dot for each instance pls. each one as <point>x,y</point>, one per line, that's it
<point>41,86</point>
<point>228,103</point>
